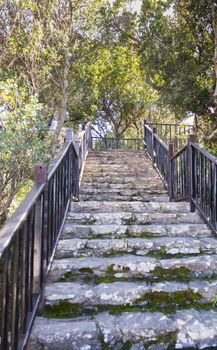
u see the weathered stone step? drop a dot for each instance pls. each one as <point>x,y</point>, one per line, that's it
<point>114,207</point>
<point>120,198</point>
<point>119,166</point>
<point>90,190</point>
<point>170,295</point>
<point>143,231</point>
<point>115,178</point>
<point>105,186</point>
<point>189,329</point>
<point>162,247</point>
<point>127,218</point>
<point>102,173</point>
<point>114,153</point>
<point>128,266</point>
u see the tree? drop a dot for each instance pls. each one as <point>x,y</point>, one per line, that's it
<point>177,53</point>
<point>23,140</point>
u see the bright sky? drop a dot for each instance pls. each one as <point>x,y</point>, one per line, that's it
<point>136,4</point>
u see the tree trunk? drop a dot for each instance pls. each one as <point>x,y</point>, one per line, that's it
<point>215,54</point>
<point>63,103</point>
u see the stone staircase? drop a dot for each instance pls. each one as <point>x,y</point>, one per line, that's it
<point>132,271</point>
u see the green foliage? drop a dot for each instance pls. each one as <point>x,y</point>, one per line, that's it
<point>24,140</point>
<point>177,53</point>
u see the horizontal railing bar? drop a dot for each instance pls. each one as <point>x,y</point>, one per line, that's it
<point>205,153</point>
<point>149,129</point>
<point>113,138</point>
<point>161,142</point>
<point>19,217</point>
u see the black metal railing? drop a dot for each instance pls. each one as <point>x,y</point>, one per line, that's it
<point>171,133</point>
<point>157,150</point>
<point>148,140</point>
<point>160,151</point>
<point>203,184</point>
<point>191,174</point>
<point>109,143</point>
<point>29,238</point>
<point>179,175</point>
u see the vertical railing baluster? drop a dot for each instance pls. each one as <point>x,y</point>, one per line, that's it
<point>171,174</point>
<point>15,293</point>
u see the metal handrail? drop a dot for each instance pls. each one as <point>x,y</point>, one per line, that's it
<point>18,218</point>
<point>192,176</point>
<point>179,152</point>
<point>29,238</point>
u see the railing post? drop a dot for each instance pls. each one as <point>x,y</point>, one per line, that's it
<point>176,144</point>
<point>90,146</point>
<point>40,225</point>
<point>76,171</point>
<point>190,174</point>
<point>144,133</point>
<point>69,135</point>
<point>170,183</point>
<point>153,146</point>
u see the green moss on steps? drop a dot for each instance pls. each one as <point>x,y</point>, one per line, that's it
<point>68,276</point>
<point>113,253</point>
<point>63,309</point>
<point>168,339</point>
<point>179,274</point>
<point>170,301</point>
<point>154,302</point>
<point>162,254</point>
<point>86,270</point>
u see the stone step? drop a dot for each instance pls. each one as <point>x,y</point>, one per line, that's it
<point>113,162</point>
<point>190,329</point>
<point>106,186</point>
<point>132,266</point>
<point>162,247</point>
<point>117,153</point>
<point>143,231</point>
<point>120,167</point>
<point>123,173</point>
<point>131,271</point>
<point>114,207</point>
<point>143,191</point>
<point>121,296</point>
<point>116,180</point>
<point>127,218</point>
<point>121,197</point>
